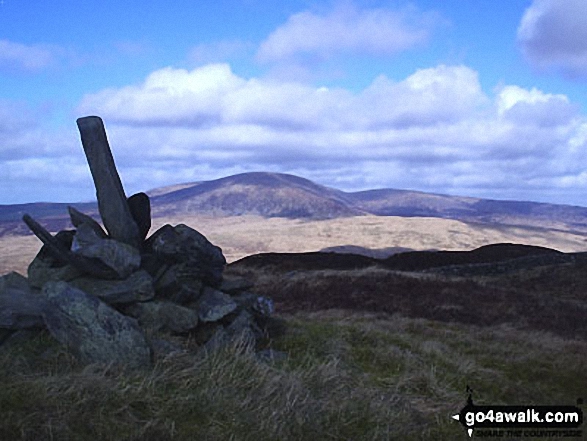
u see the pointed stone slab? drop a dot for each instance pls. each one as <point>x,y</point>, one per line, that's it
<point>112,202</point>
<point>140,209</point>
<point>78,218</point>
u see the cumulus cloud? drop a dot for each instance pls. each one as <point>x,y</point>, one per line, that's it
<point>213,95</point>
<point>30,58</point>
<point>435,130</point>
<point>553,34</point>
<point>349,30</point>
<point>535,107</point>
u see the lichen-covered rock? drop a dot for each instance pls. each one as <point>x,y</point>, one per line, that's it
<point>214,304</point>
<point>138,287</point>
<point>93,331</point>
<point>122,258</point>
<point>163,315</point>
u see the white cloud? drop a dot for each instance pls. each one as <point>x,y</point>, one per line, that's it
<point>350,30</point>
<point>436,130</point>
<point>21,57</point>
<point>535,107</point>
<point>553,34</point>
<point>213,95</point>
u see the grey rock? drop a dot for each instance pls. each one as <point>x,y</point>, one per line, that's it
<point>119,257</point>
<point>260,305</point>
<point>163,348</point>
<point>140,209</point>
<point>235,285</point>
<point>60,251</point>
<point>45,266</point>
<point>138,287</point>
<point>18,338</point>
<point>19,307</point>
<point>84,236</point>
<point>5,334</point>
<point>243,327</point>
<point>263,306</point>
<point>162,315</point>
<point>14,280</point>
<point>219,339</point>
<point>184,244</point>
<point>93,331</point>
<point>112,202</point>
<point>41,271</point>
<point>78,218</point>
<point>179,283</point>
<point>214,304</point>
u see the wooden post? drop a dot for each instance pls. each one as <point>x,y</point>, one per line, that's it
<point>112,202</point>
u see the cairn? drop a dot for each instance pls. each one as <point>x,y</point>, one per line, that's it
<point>115,295</point>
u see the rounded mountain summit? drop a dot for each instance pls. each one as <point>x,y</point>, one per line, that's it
<point>258,193</point>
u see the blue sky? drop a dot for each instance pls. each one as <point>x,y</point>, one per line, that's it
<point>465,97</point>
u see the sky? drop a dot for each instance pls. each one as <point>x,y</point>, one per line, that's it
<point>463,97</point>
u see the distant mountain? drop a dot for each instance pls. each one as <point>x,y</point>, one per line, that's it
<point>264,194</point>
<point>289,196</point>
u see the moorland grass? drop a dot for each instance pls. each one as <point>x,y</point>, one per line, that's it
<point>348,376</point>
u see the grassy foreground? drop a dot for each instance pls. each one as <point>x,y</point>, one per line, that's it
<point>349,376</point>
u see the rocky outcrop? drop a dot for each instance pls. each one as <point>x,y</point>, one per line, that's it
<point>119,296</point>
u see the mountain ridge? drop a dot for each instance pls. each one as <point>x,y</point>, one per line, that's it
<point>270,194</point>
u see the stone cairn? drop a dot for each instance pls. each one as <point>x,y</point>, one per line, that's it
<point>118,296</point>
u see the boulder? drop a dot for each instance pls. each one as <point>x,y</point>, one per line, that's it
<point>186,245</point>
<point>244,327</point>
<point>179,283</point>
<point>14,280</point>
<point>235,285</point>
<point>214,304</point>
<point>162,348</point>
<point>93,331</point>
<point>119,257</point>
<point>138,287</point>
<point>163,315</point>
<point>19,307</point>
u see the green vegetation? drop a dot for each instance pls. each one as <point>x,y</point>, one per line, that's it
<point>349,376</point>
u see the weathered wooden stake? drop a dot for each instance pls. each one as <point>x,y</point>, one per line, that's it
<point>112,202</point>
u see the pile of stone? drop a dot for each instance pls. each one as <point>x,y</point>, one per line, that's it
<point>115,296</point>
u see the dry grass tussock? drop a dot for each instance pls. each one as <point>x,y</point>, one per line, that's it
<point>349,376</point>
